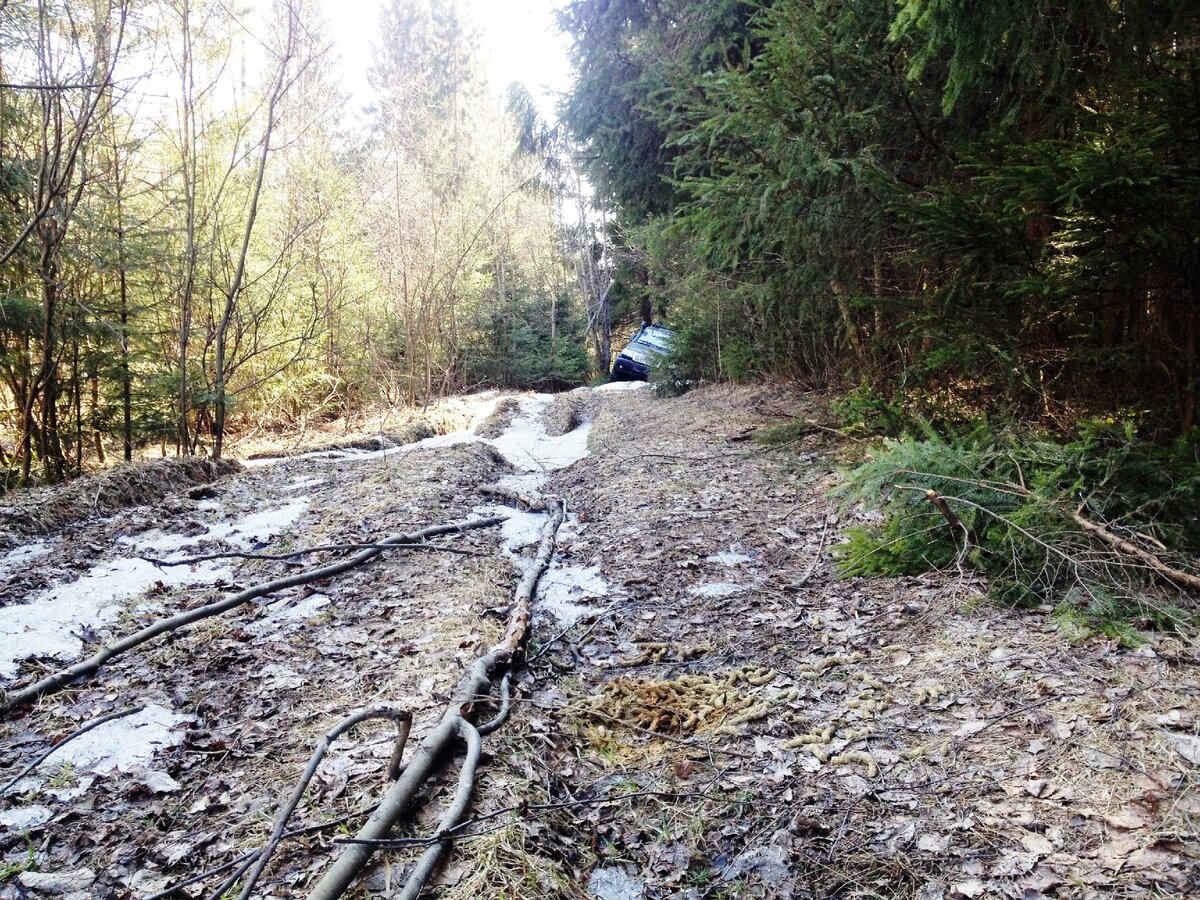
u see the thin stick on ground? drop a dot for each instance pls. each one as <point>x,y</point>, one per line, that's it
<point>285,557</point>
<point>93,664</point>
<point>95,723</point>
<point>403,720</point>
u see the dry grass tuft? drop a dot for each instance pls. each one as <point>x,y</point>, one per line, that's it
<point>715,703</point>
<point>504,867</point>
<point>497,423</point>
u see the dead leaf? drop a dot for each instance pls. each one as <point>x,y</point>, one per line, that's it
<point>933,843</point>
<point>1187,746</point>
<point>971,888</point>
<point>1129,819</point>
<point>1037,843</point>
<point>1013,863</point>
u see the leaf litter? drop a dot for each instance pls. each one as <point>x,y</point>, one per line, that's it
<point>909,741</point>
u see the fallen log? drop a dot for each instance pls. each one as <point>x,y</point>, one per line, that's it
<point>533,504</point>
<point>87,667</point>
<point>433,751</point>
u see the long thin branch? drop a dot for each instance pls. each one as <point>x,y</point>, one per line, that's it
<point>1102,534</point>
<point>90,666</point>
<point>324,548</point>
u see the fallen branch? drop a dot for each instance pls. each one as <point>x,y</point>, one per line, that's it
<point>396,803</point>
<point>1169,573</point>
<point>250,854</point>
<point>1102,534</point>
<point>426,865</point>
<point>90,666</point>
<point>534,504</point>
<point>95,723</point>
<point>284,557</point>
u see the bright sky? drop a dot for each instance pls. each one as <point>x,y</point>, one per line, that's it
<point>520,42</point>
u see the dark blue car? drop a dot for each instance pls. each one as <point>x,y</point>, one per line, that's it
<point>633,363</point>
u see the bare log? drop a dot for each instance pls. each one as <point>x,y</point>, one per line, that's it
<point>534,504</point>
<point>90,666</point>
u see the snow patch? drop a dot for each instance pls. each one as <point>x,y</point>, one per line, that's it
<point>562,589</point>
<point>731,557</point>
<point>299,484</point>
<point>20,556</point>
<point>526,483</point>
<point>520,529</point>
<point>622,386</point>
<point>717,589</point>
<point>124,744</point>
<point>50,623</point>
<point>527,447</point>
<point>284,616</point>
<point>258,528</point>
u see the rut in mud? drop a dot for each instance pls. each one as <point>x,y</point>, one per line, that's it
<point>707,711</point>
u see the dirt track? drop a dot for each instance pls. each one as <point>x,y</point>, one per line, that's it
<point>719,715</point>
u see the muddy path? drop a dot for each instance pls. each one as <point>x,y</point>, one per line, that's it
<point>708,711</point>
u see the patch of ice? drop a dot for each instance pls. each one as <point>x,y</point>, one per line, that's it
<point>299,484</point>
<point>563,587</point>
<point>616,884</point>
<point>717,589</point>
<point>730,558</point>
<point>24,817</point>
<point>19,556</point>
<point>48,624</point>
<point>122,745</point>
<point>526,445</point>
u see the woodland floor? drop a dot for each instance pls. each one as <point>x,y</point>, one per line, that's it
<point>709,711</point>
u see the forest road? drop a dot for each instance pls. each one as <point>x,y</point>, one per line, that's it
<point>708,709</point>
